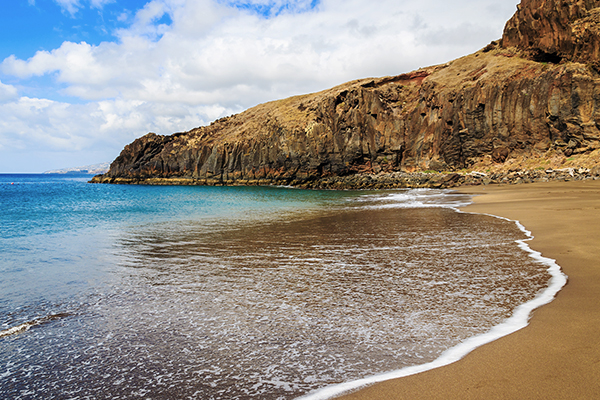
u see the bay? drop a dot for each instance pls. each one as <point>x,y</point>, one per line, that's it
<point>112,291</point>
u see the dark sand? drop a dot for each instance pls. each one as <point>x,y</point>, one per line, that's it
<point>557,356</point>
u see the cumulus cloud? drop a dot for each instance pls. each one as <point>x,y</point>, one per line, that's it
<point>58,125</point>
<point>33,126</point>
<point>210,50</point>
<point>183,63</point>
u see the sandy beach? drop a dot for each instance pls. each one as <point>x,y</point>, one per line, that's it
<point>557,356</point>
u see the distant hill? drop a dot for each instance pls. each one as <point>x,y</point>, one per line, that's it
<point>87,169</point>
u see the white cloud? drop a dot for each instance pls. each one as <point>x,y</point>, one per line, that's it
<point>7,92</point>
<point>145,18</point>
<point>71,6</point>
<point>33,126</point>
<point>100,3</point>
<point>213,59</point>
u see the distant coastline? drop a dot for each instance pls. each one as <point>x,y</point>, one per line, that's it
<point>86,169</point>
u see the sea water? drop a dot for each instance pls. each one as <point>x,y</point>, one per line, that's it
<point>163,292</point>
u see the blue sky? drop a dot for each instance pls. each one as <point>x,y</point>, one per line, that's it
<point>32,25</point>
<point>79,79</point>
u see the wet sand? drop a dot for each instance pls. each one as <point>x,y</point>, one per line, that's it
<point>557,356</point>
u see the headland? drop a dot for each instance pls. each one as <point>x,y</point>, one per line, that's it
<point>526,103</point>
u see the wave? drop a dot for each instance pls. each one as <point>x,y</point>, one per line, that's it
<point>24,327</point>
<point>518,320</point>
<point>417,198</point>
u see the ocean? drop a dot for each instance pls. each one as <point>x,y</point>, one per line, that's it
<point>185,292</point>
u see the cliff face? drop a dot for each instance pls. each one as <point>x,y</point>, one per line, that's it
<point>554,30</point>
<point>537,91</point>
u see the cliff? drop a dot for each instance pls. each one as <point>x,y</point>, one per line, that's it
<point>556,30</point>
<point>533,97</point>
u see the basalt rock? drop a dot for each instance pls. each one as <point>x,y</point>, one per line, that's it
<point>555,30</point>
<point>499,103</point>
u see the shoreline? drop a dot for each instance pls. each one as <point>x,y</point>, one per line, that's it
<point>518,320</point>
<point>370,181</point>
<point>557,355</point>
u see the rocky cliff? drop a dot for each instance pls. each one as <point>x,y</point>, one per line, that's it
<point>556,30</point>
<point>534,95</point>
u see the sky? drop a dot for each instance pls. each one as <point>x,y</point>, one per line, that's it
<point>80,79</point>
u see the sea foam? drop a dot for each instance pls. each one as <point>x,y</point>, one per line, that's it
<point>518,320</point>
<point>24,327</point>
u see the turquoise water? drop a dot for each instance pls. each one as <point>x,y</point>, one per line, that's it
<point>56,230</point>
<point>111,291</point>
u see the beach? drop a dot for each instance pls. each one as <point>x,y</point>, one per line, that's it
<point>557,356</point>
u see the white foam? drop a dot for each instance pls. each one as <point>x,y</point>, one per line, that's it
<point>27,325</point>
<point>18,329</point>
<point>517,321</point>
<point>417,198</point>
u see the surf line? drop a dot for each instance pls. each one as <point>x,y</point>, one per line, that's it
<point>24,327</point>
<point>517,321</point>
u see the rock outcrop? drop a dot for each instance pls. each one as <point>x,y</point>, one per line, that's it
<point>555,30</point>
<point>534,93</point>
